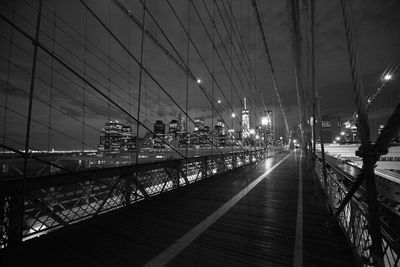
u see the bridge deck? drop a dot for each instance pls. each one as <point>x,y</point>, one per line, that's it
<point>215,222</point>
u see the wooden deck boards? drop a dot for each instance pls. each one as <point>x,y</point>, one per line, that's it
<point>258,231</point>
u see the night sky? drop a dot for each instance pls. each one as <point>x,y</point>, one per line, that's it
<point>68,113</point>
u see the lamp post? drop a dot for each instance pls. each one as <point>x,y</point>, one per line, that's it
<point>264,123</point>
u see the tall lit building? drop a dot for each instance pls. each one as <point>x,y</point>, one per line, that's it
<point>173,127</point>
<point>116,137</point>
<point>159,131</point>
<point>220,127</point>
<point>199,124</point>
<point>181,124</point>
<point>268,127</point>
<point>380,129</point>
<point>331,128</point>
<point>326,129</point>
<point>245,121</point>
<point>159,128</point>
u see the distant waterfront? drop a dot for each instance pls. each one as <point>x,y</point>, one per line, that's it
<point>75,160</point>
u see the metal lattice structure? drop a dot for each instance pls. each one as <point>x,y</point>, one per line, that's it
<point>354,217</point>
<point>57,200</point>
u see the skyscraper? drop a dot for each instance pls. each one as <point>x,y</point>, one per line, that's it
<point>181,124</point>
<point>173,127</point>
<point>245,121</point>
<point>199,124</point>
<point>159,128</point>
<point>116,137</point>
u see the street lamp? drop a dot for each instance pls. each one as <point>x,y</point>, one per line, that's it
<point>233,115</point>
<point>388,77</point>
<point>337,138</point>
<point>264,121</point>
<point>198,80</point>
<point>342,133</point>
<point>219,101</point>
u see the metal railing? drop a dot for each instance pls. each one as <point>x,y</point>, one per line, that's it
<point>353,220</point>
<point>57,200</point>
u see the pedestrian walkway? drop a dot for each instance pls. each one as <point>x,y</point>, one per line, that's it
<point>269,214</point>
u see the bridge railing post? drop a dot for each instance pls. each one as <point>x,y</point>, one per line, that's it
<point>234,160</point>
<point>204,167</point>
<point>127,188</point>
<point>13,205</point>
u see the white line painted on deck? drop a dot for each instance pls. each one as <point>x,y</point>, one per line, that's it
<point>168,254</point>
<point>298,247</point>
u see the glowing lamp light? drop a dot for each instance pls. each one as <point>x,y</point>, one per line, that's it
<point>219,101</point>
<point>257,136</point>
<point>264,121</point>
<point>342,133</point>
<point>252,131</point>
<point>233,115</point>
<point>196,128</point>
<point>295,141</point>
<point>337,138</point>
<point>387,77</point>
<point>198,80</point>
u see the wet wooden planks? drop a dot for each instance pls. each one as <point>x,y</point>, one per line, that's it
<point>258,231</point>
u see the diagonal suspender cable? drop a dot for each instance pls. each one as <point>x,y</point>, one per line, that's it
<point>269,56</point>
<point>181,63</point>
<point>64,64</point>
<point>229,32</point>
<point>368,153</point>
<point>220,58</point>
<point>239,40</point>
<point>203,60</point>
<point>138,63</point>
<point>293,10</point>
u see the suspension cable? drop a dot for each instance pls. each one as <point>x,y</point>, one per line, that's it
<point>181,62</point>
<point>270,62</point>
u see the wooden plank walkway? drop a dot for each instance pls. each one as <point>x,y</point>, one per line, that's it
<point>259,230</point>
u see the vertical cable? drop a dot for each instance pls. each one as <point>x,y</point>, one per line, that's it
<point>140,82</point>
<point>212,82</point>
<point>8,75</point>
<point>52,77</point>
<point>28,126</point>
<point>109,60</point>
<point>84,84</point>
<point>230,73</point>
<point>129,71</point>
<point>269,58</point>
<point>187,94</point>
<point>187,87</point>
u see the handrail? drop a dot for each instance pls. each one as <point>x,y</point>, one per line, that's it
<point>56,200</point>
<point>353,219</point>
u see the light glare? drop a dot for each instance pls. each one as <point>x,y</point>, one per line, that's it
<point>388,77</point>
